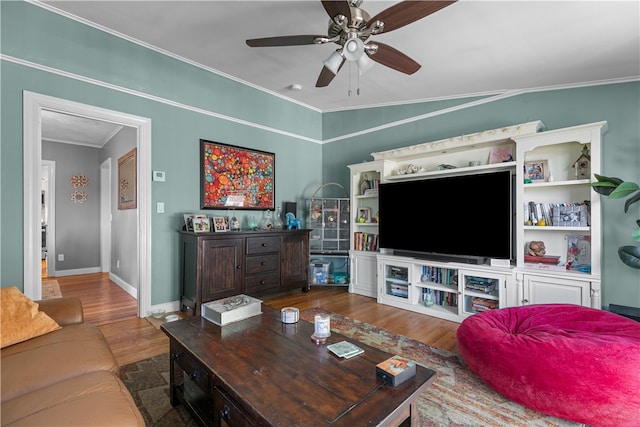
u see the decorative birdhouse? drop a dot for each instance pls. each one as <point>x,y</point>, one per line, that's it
<point>583,164</point>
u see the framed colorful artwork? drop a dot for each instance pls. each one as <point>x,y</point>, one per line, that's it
<point>236,177</point>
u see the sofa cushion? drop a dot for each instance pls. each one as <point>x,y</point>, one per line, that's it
<point>20,318</point>
<point>93,399</point>
<point>59,355</point>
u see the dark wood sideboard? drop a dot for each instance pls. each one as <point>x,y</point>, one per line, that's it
<point>256,263</point>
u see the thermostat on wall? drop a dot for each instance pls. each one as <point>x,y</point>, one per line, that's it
<point>158,176</point>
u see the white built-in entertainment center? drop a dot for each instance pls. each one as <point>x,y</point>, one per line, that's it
<point>553,203</point>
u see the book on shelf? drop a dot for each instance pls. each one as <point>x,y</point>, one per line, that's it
<point>481,304</point>
<point>558,214</point>
<point>345,349</point>
<point>546,259</point>
<point>545,266</point>
<point>365,241</point>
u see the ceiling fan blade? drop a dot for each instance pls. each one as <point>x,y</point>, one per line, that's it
<point>326,76</point>
<point>406,12</point>
<point>284,41</point>
<point>334,8</point>
<point>393,58</point>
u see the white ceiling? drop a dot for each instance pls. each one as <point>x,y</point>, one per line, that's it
<point>469,48</point>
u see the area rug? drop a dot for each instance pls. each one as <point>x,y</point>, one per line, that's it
<point>51,289</point>
<point>457,397</point>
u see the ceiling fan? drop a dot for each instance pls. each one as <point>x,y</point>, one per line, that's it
<point>350,27</point>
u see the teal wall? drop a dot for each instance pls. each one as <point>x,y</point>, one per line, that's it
<point>186,103</point>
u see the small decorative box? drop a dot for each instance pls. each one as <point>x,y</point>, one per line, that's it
<point>395,370</point>
<point>231,309</point>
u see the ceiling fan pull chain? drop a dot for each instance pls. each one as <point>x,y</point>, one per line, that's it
<point>349,92</point>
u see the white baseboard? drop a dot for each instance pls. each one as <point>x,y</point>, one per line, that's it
<point>59,273</point>
<point>124,285</point>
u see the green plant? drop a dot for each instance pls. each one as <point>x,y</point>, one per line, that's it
<point>615,188</point>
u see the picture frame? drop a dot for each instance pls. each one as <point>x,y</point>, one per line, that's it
<point>536,170</point>
<point>188,221</point>
<point>579,252</point>
<point>201,225</point>
<point>236,177</point>
<point>220,224</point>
<point>364,214</point>
<point>127,180</point>
<point>501,155</point>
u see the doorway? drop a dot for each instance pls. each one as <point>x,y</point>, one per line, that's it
<point>48,214</point>
<point>34,105</point>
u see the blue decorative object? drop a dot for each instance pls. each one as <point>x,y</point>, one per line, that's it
<point>292,222</point>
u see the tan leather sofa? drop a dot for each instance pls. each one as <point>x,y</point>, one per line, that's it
<point>67,377</point>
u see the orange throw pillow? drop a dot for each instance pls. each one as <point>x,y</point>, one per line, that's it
<point>20,318</point>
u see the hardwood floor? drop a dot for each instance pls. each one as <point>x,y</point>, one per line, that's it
<point>132,339</point>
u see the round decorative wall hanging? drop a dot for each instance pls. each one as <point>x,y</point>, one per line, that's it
<point>79,196</point>
<point>79,181</point>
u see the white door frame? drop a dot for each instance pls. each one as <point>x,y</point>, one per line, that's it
<point>50,166</point>
<point>33,105</point>
<point>105,215</point>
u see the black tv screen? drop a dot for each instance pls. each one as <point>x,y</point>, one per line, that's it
<point>465,215</point>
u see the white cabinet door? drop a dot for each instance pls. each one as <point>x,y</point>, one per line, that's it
<point>364,278</point>
<point>555,290</point>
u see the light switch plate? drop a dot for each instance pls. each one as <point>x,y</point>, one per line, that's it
<point>158,176</point>
<point>160,207</point>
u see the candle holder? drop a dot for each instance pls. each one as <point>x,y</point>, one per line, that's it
<point>322,328</point>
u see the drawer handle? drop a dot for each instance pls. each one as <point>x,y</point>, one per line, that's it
<point>175,356</point>
<point>263,263</point>
<point>525,301</point>
<point>262,282</point>
<point>264,245</point>
<point>238,267</point>
<point>194,376</point>
<point>225,413</point>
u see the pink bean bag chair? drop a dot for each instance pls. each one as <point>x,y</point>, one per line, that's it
<point>568,361</point>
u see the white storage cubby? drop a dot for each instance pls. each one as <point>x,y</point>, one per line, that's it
<point>447,290</point>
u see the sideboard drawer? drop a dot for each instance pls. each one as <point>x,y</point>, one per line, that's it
<point>259,264</point>
<point>261,282</point>
<point>263,244</point>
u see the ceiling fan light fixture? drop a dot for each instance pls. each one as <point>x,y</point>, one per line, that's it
<point>353,49</point>
<point>334,61</point>
<point>364,64</point>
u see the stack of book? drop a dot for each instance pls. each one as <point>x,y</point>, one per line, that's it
<point>481,284</point>
<point>545,262</point>
<point>481,304</point>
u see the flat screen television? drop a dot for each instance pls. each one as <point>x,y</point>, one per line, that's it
<point>465,218</point>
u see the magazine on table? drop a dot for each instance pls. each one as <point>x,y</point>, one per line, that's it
<point>345,349</point>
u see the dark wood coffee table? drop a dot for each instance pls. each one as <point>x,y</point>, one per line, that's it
<point>260,371</point>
